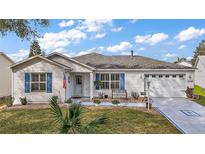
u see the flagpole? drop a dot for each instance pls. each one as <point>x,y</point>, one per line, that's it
<point>65,89</point>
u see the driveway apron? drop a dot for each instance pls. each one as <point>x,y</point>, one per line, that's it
<point>186,115</point>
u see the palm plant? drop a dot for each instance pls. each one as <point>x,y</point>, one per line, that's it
<point>71,121</point>
<point>98,83</point>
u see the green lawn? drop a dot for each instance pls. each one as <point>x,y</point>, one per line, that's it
<point>201,92</point>
<point>121,120</point>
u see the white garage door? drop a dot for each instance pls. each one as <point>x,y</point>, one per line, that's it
<point>169,85</point>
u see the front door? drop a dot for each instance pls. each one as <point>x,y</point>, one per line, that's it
<point>78,86</point>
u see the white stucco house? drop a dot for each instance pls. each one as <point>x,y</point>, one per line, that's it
<point>200,71</point>
<point>39,77</point>
<point>5,75</point>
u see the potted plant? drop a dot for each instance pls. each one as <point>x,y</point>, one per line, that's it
<point>99,84</point>
<point>115,102</point>
<point>23,100</point>
<point>97,102</point>
<point>134,95</point>
<point>69,101</point>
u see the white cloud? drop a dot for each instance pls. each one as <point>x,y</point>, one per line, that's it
<point>189,33</point>
<point>66,24</point>
<point>121,47</point>
<point>133,21</point>
<point>100,35</point>
<point>151,39</point>
<point>128,53</point>
<point>168,56</point>
<point>182,46</point>
<point>90,25</point>
<point>22,54</point>
<point>141,49</point>
<point>61,39</point>
<point>116,29</point>
<point>189,58</point>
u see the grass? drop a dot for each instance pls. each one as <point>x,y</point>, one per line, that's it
<point>201,92</point>
<point>121,120</point>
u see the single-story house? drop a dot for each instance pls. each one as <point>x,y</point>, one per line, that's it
<point>5,75</point>
<point>200,71</point>
<point>39,77</point>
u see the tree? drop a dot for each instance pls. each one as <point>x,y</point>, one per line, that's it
<point>35,49</point>
<point>200,50</point>
<point>180,59</point>
<point>24,29</point>
<point>71,121</point>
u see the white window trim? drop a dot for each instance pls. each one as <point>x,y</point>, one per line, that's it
<point>38,81</point>
<point>109,81</point>
<point>105,80</point>
<point>114,81</point>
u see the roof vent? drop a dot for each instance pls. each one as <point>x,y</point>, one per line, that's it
<point>132,53</point>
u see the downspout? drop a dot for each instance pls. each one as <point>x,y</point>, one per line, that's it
<point>12,84</point>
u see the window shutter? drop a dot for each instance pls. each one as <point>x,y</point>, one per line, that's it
<point>27,82</point>
<point>97,79</point>
<point>122,81</point>
<point>49,82</point>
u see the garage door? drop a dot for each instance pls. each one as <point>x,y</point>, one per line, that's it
<point>169,85</point>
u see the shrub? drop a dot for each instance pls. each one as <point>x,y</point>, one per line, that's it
<point>115,102</point>
<point>69,101</point>
<point>100,95</point>
<point>96,101</point>
<point>10,101</point>
<point>189,92</point>
<point>134,95</point>
<point>23,100</point>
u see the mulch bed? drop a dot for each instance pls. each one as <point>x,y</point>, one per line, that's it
<point>124,100</point>
<point>33,106</point>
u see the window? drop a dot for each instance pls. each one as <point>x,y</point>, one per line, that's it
<point>160,76</point>
<point>167,76</point>
<point>38,82</point>
<point>174,76</point>
<point>181,75</point>
<point>115,81</point>
<point>153,76</point>
<point>146,75</point>
<point>78,80</point>
<point>105,81</point>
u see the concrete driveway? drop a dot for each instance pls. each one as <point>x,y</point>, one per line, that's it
<point>186,115</point>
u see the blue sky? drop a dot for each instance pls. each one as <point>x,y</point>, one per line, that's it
<point>159,39</point>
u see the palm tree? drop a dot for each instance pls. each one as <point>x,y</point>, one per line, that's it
<point>180,59</point>
<point>71,121</point>
<point>98,83</point>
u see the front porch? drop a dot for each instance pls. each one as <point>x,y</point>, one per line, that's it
<point>79,85</point>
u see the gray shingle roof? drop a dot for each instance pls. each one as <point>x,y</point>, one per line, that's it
<point>100,61</point>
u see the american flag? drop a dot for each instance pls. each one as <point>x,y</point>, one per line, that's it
<point>64,82</point>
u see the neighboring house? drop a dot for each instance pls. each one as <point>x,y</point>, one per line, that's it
<point>200,71</point>
<point>39,77</point>
<point>5,75</point>
<point>185,63</point>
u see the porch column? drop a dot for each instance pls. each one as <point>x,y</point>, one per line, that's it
<point>91,85</point>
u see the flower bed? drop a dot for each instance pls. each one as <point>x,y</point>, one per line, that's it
<point>124,100</point>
